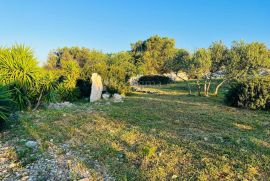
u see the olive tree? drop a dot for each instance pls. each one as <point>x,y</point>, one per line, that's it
<point>219,58</point>
<point>179,62</point>
<point>150,55</point>
<point>199,67</point>
<point>95,63</point>
<point>245,61</point>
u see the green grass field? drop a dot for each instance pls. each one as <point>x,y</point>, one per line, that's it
<point>163,136</point>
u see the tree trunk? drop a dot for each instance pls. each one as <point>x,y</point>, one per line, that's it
<point>39,100</point>
<point>198,87</point>
<point>209,85</point>
<point>205,89</point>
<point>189,89</point>
<point>218,86</point>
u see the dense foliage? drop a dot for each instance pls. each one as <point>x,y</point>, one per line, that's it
<point>120,70</point>
<point>67,73</point>
<point>115,70</point>
<point>252,93</point>
<point>151,55</point>
<point>5,103</point>
<point>154,80</point>
<point>19,70</point>
<point>27,83</point>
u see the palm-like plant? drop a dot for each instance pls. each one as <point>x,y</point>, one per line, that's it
<point>18,65</point>
<point>18,68</point>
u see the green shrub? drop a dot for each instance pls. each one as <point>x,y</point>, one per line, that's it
<point>68,94</point>
<point>154,79</point>
<point>69,73</point>
<point>253,93</point>
<point>120,69</point>
<point>114,69</point>
<point>5,103</point>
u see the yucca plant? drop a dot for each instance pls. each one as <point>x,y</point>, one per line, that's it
<point>5,103</point>
<point>18,64</point>
<point>19,68</point>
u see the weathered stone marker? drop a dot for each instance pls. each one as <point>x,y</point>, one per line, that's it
<point>97,87</point>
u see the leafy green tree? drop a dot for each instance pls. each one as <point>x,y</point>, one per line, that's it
<point>219,59</point>
<point>78,54</point>
<point>150,55</point>
<point>96,63</point>
<point>199,67</point>
<point>120,68</point>
<point>245,61</point>
<point>180,62</point>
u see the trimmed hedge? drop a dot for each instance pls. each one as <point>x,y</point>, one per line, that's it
<point>154,79</point>
<point>252,93</point>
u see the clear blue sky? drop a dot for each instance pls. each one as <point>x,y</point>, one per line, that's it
<point>111,25</point>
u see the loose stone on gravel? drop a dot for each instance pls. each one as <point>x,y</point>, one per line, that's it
<point>31,144</point>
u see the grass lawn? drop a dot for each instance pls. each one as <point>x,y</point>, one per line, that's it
<point>164,136</point>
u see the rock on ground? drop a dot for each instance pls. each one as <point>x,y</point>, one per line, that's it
<point>106,96</point>
<point>31,144</point>
<point>117,98</point>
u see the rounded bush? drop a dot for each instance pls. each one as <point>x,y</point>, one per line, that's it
<point>252,93</point>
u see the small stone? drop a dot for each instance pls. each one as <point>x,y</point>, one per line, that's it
<point>174,177</point>
<point>31,144</point>
<point>117,98</point>
<point>105,96</point>
<point>205,139</point>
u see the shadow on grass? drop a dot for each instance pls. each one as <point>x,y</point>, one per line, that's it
<point>187,130</point>
<point>92,145</point>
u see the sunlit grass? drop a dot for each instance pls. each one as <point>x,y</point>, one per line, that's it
<point>162,136</point>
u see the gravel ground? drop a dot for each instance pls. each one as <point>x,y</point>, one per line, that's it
<point>56,163</point>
